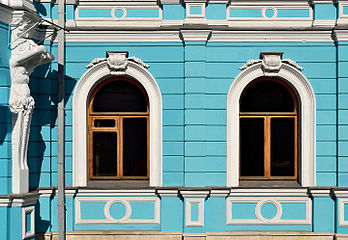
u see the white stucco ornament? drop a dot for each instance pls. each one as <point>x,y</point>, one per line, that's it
<point>117,62</point>
<point>25,57</point>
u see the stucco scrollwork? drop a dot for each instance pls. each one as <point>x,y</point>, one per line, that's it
<point>25,57</point>
<point>117,62</point>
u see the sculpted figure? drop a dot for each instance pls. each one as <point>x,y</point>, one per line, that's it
<point>26,55</point>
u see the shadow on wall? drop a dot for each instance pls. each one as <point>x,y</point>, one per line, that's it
<point>5,123</point>
<point>42,152</point>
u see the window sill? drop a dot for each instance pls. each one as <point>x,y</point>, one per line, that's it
<point>269,184</point>
<point>119,184</point>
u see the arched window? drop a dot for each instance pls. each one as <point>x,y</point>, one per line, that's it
<point>268,130</point>
<point>118,136</point>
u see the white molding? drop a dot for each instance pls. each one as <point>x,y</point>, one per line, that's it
<point>271,36</point>
<point>5,14</point>
<point>31,211</point>
<point>195,35</point>
<point>195,18</point>
<point>341,193</point>
<point>125,201</point>
<point>90,79</point>
<point>341,221</point>
<point>192,193</point>
<point>320,192</point>
<point>188,217</point>
<point>302,87</point>
<point>123,36</point>
<point>113,18</point>
<point>135,192</point>
<point>341,35</point>
<point>276,220</point>
<point>324,23</point>
<point>263,192</point>
<point>219,193</point>
<point>167,193</point>
<point>264,8</point>
<point>216,36</point>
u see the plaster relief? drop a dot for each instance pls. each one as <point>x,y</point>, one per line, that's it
<point>26,56</point>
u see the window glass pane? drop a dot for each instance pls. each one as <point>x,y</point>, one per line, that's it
<point>251,146</point>
<point>104,153</point>
<point>266,96</point>
<point>119,96</point>
<point>104,123</point>
<point>135,147</point>
<point>282,146</point>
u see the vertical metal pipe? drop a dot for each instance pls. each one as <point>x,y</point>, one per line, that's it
<point>61,113</point>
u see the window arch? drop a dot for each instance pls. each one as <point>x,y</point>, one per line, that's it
<point>287,72</point>
<point>98,73</point>
<point>118,116</point>
<point>268,121</point>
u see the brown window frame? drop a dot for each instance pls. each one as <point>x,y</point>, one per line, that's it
<point>267,116</point>
<point>118,128</point>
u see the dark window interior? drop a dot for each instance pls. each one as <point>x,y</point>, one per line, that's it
<point>120,96</point>
<point>266,96</point>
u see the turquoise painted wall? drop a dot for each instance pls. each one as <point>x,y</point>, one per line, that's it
<point>194,80</point>
<point>5,116</point>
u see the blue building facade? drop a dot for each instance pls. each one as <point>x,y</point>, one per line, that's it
<point>193,61</point>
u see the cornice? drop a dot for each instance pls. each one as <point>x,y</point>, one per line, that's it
<point>341,35</point>
<point>67,2</point>
<point>194,193</point>
<point>19,200</point>
<point>195,35</point>
<point>5,14</point>
<point>244,192</point>
<point>271,36</point>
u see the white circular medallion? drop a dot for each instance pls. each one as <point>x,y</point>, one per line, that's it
<point>127,214</point>
<point>275,203</point>
<point>118,13</point>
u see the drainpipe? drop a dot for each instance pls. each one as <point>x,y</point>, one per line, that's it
<point>61,113</point>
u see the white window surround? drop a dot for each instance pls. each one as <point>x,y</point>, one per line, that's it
<point>91,78</point>
<point>288,71</point>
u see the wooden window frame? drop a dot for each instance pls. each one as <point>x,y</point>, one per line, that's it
<point>118,128</point>
<point>267,116</point>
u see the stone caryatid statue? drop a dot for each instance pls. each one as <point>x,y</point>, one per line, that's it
<point>26,55</point>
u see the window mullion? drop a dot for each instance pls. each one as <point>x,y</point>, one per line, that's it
<point>120,148</point>
<point>267,147</point>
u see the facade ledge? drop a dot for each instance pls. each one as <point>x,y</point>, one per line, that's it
<point>19,200</point>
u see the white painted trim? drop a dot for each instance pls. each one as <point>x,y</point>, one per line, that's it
<point>341,193</point>
<point>95,192</point>
<point>259,215</point>
<point>123,36</point>
<point>31,211</point>
<point>188,218</point>
<point>195,35</point>
<point>270,192</point>
<point>216,36</point>
<point>20,201</point>
<point>123,200</point>
<point>263,17</point>
<point>191,194</point>
<point>320,192</point>
<point>83,89</point>
<point>271,36</point>
<point>341,221</point>
<point>263,221</point>
<point>167,193</point>
<point>188,9</point>
<point>124,8</point>
<point>306,98</point>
